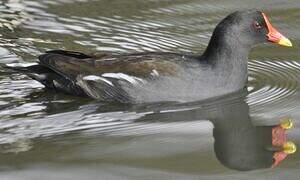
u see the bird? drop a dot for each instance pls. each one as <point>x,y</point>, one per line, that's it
<point>159,76</point>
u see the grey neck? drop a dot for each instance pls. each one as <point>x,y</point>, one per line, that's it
<point>224,51</point>
<point>228,61</point>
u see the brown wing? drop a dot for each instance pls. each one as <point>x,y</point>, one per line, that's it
<point>71,64</point>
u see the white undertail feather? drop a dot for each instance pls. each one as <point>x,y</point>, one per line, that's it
<point>21,64</point>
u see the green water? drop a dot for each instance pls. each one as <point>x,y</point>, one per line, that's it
<point>44,135</point>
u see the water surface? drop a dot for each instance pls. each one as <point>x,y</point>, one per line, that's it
<point>56,136</point>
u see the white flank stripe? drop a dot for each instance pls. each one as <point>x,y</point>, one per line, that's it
<point>97,78</point>
<point>250,88</point>
<point>131,79</point>
<point>154,73</point>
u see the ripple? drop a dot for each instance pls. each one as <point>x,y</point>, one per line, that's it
<point>12,14</point>
<point>276,85</point>
<point>148,25</point>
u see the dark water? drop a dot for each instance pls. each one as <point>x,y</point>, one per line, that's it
<point>44,135</point>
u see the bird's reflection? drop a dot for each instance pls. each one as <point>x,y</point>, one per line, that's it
<point>239,144</point>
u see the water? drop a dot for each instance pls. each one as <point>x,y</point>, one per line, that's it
<point>56,136</point>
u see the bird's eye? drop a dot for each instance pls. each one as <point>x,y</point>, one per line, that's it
<point>257,25</point>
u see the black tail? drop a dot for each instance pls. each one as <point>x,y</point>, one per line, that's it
<point>36,72</point>
<point>48,78</point>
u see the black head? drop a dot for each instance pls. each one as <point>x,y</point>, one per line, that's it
<point>247,28</point>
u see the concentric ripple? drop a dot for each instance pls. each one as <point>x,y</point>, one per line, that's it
<point>275,85</point>
<point>30,27</point>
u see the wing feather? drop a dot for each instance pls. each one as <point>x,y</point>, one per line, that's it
<point>71,64</point>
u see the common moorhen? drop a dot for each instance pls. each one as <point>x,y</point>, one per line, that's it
<point>160,76</point>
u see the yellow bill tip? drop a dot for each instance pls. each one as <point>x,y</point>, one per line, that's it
<point>287,123</point>
<point>285,42</point>
<point>289,147</point>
